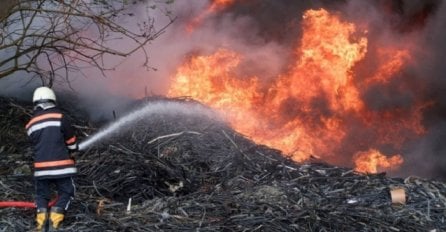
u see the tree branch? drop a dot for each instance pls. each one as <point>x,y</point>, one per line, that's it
<point>67,35</point>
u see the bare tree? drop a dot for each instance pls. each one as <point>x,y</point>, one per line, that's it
<point>53,38</point>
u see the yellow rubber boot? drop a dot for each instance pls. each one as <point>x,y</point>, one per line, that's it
<point>56,217</point>
<point>41,219</point>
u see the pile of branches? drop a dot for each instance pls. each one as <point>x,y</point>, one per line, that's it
<point>177,172</point>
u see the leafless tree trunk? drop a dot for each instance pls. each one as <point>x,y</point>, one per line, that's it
<point>53,38</point>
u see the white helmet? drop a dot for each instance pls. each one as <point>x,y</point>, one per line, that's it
<point>44,94</point>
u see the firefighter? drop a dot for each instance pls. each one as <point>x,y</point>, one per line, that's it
<point>55,143</point>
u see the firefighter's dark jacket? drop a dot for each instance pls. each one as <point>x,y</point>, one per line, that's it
<point>53,138</point>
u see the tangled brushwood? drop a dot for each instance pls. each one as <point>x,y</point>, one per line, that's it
<point>171,172</point>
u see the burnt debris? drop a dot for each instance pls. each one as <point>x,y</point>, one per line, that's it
<point>169,172</point>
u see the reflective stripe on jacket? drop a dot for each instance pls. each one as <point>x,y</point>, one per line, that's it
<point>53,138</point>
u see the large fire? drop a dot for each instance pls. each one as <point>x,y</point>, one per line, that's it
<point>315,108</point>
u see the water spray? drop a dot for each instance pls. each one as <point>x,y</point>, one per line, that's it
<point>149,109</point>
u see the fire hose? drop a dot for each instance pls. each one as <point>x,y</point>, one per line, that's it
<point>24,204</point>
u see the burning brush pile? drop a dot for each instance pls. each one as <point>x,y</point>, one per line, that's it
<point>184,170</point>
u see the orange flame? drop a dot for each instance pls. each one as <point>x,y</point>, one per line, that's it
<point>220,4</point>
<point>314,107</point>
<point>216,5</point>
<point>373,161</point>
